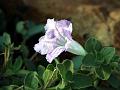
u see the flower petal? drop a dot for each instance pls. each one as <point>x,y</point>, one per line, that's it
<point>65,24</point>
<point>50,24</point>
<point>68,34</point>
<point>45,45</point>
<point>64,28</point>
<point>54,54</point>
<point>37,47</point>
<point>50,34</point>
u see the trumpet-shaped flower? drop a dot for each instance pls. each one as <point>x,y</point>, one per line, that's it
<point>58,39</point>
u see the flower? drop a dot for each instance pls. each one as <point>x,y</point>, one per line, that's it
<point>58,39</point>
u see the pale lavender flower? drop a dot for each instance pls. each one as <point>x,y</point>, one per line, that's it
<point>58,39</point>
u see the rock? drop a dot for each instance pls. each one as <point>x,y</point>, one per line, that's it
<point>90,17</point>
<point>85,18</point>
<point>115,15</point>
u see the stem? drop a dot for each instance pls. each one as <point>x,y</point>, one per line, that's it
<point>17,48</point>
<point>33,56</point>
<point>2,53</point>
<point>6,56</point>
<point>19,88</point>
<point>56,61</point>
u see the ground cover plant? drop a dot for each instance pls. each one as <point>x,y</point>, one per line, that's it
<point>93,66</point>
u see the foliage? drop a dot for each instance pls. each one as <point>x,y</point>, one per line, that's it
<point>97,70</point>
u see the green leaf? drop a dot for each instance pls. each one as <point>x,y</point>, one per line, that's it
<point>31,80</point>
<point>99,57</point>
<point>67,88</point>
<point>6,38</point>
<point>81,81</point>
<point>107,53</point>
<point>47,73</point>
<point>28,29</point>
<point>49,76</point>
<point>9,64</point>
<point>20,28</point>
<point>24,50</point>
<point>103,72</point>
<point>66,69</point>
<point>90,60</point>
<point>10,87</point>
<point>9,72</point>
<point>34,29</point>
<point>69,76</point>
<point>77,61</point>
<point>61,85</point>
<point>62,70</point>
<point>18,64</point>
<point>22,72</point>
<point>28,88</point>
<point>114,80</point>
<point>40,70</point>
<point>115,58</point>
<point>92,44</point>
<point>64,88</point>
<point>69,66</point>
<point>86,68</point>
<point>5,41</point>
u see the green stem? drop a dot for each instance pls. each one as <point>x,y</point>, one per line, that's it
<point>57,61</point>
<point>6,56</point>
<point>19,88</point>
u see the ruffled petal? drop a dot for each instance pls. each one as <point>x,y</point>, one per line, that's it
<point>50,34</point>
<point>54,54</point>
<point>50,24</point>
<point>64,28</point>
<point>45,45</point>
<point>65,24</point>
<point>37,47</point>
